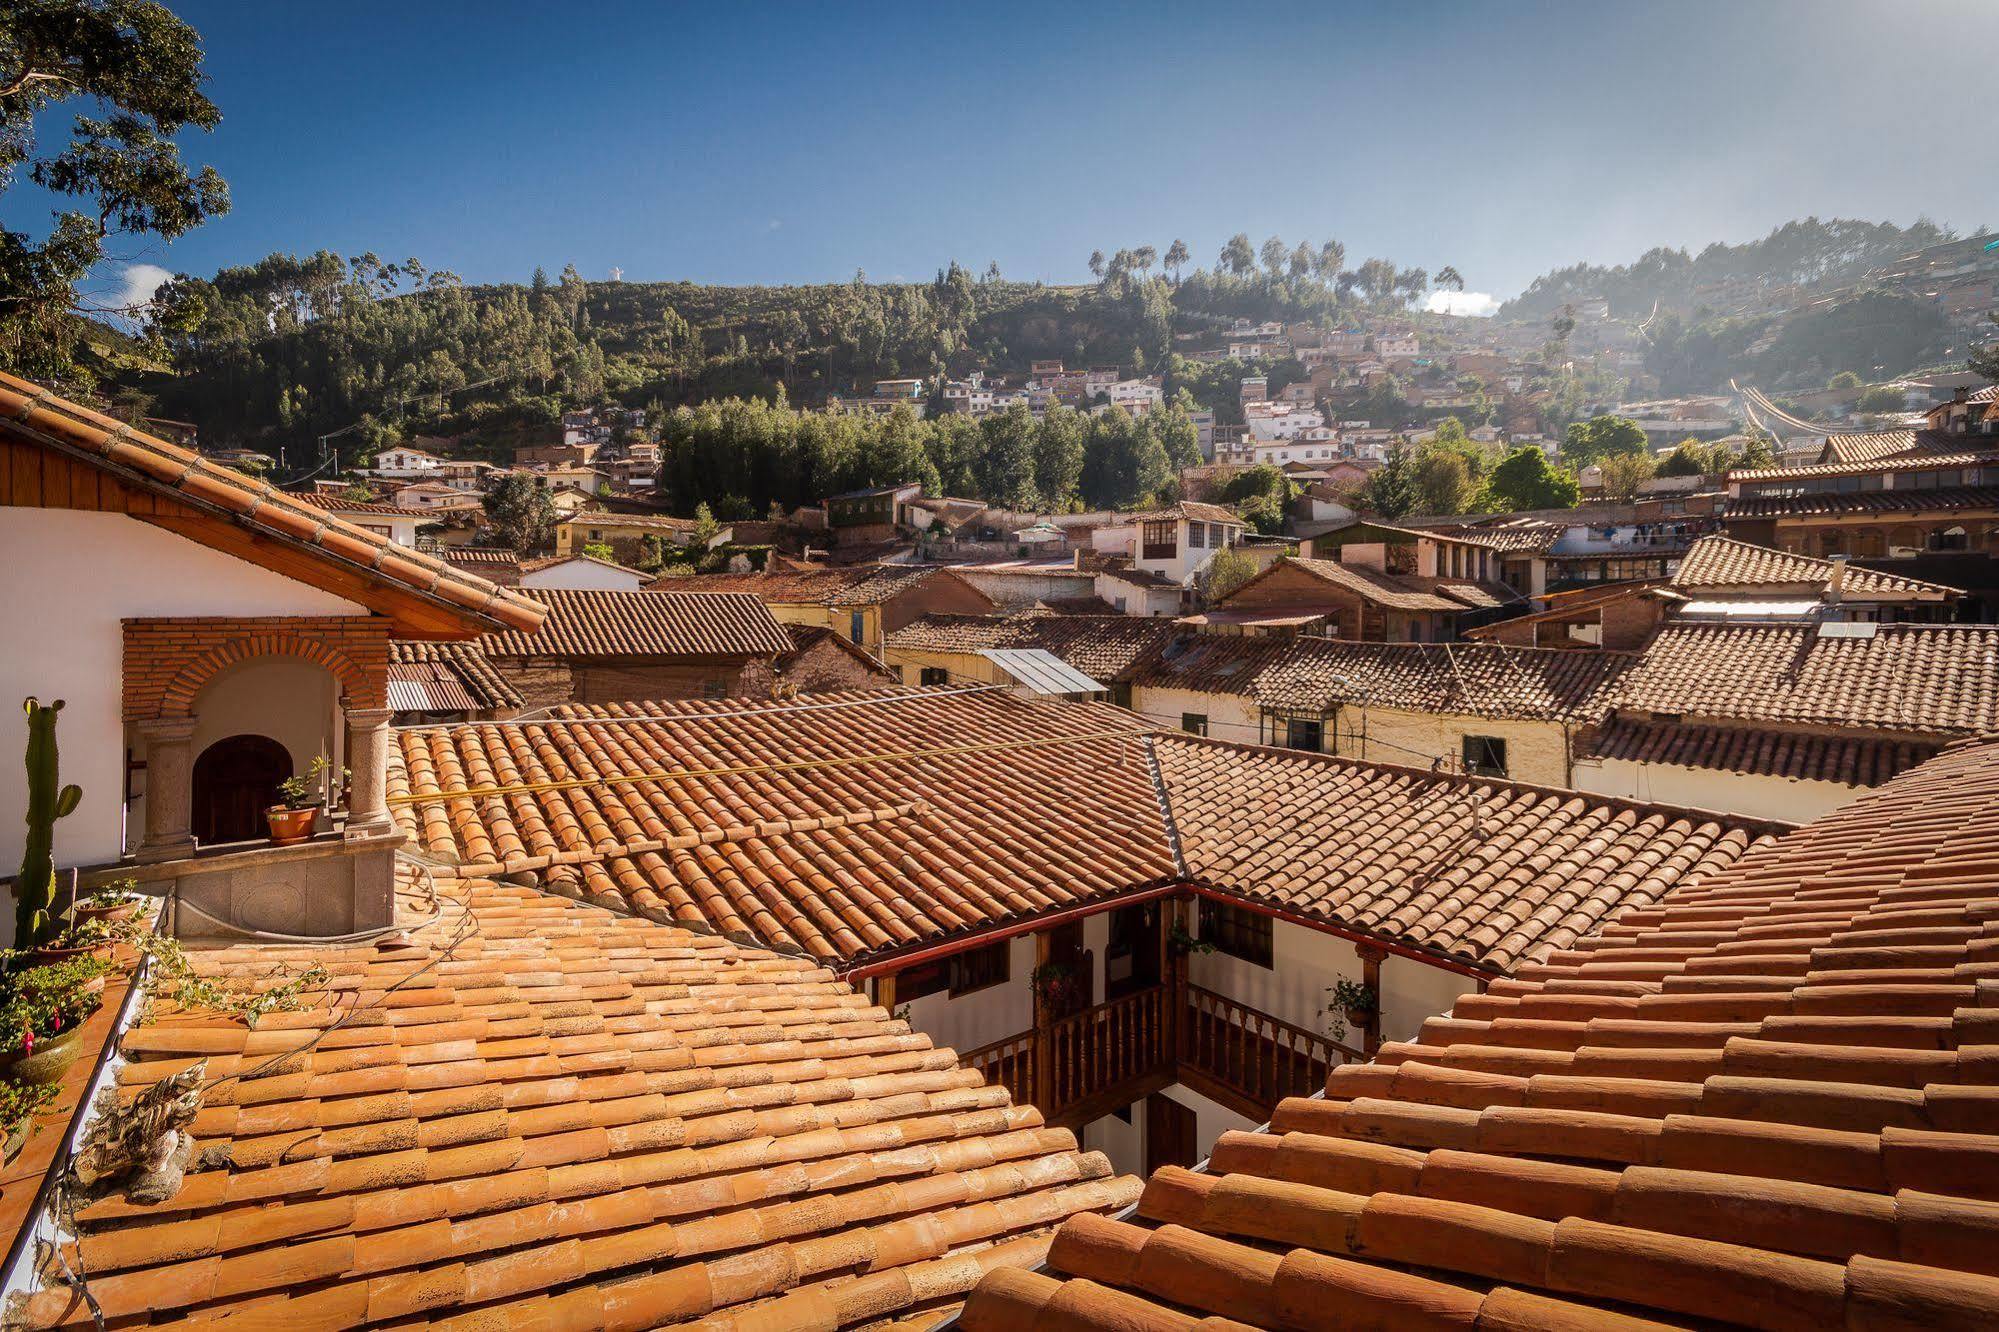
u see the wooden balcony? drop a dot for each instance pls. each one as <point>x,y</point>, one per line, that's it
<point>1088,1064</point>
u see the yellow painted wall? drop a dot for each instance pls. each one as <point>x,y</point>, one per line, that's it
<point>1751,794</point>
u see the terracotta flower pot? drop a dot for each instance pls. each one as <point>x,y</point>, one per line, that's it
<point>50,1058</point>
<point>122,911</point>
<point>49,955</point>
<point>1360,1017</point>
<point>290,826</point>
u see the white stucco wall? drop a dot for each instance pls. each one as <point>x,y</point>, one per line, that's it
<point>585,575</point>
<point>1124,1144</point>
<point>1307,963</point>
<point>984,1016</point>
<point>293,702</point>
<point>70,577</point>
<point>1230,716</point>
<point>1747,794</point>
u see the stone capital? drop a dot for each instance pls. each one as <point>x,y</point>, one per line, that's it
<point>368,719</point>
<point>167,730</point>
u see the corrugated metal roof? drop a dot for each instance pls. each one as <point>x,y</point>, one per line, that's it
<point>1041,671</point>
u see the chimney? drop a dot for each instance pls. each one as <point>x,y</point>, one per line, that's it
<point>1836,580</point>
<point>1962,394</point>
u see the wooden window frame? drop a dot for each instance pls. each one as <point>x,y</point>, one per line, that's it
<point>1248,936</point>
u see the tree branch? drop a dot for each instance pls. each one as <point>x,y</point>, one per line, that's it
<point>33,76</point>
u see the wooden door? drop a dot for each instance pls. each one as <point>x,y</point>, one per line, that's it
<point>1131,958</point>
<point>1169,1133</point>
<point>235,781</point>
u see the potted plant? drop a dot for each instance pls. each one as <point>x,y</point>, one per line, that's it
<point>1356,999</point>
<point>92,937</point>
<point>1056,985</point>
<point>119,901</point>
<point>297,809</point>
<point>42,1016</point>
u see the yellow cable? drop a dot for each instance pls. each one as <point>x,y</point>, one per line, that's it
<point>896,756</point>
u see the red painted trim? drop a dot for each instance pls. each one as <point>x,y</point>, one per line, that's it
<point>1027,925</point>
<point>1035,924</point>
<point>1355,936</point>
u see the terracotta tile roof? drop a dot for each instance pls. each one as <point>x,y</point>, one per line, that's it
<point>1316,674</point>
<point>107,442</point>
<point>534,1113</point>
<point>585,623</point>
<point>1866,447</point>
<point>858,585</point>
<point>1408,592</point>
<point>900,818</point>
<point>1190,509</point>
<point>650,522</point>
<point>1486,872</point>
<point>1103,647</point>
<point>1722,563</point>
<point>1850,760</point>
<point>1947,500</point>
<point>1528,537</point>
<point>1769,1101</point>
<point>896,817</point>
<point>1941,680</point>
<point>461,664</point>
<point>499,566</point>
<point>1926,449</point>
<point>551,561</point>
<point>805,637</point>
<point>335,504</point>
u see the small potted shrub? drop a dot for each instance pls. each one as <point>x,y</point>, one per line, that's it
<point>297,809</point>
<point>112,903</point>
<point>1356,1000</point>
<point>42,1017</point>
<point>92,937</point>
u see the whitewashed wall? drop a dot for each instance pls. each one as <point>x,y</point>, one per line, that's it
<point>1749,794</point>
<point>69,578</point>
<point>984,1016</point>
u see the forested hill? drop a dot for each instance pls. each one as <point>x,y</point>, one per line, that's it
<point>1806,254</point>
<point>289,349</point>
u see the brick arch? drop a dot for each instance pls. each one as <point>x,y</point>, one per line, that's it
<point>169,662</point>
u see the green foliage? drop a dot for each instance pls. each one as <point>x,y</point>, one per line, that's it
<point>1623,473</point>
<point>48,800</point>
<point>600,550</point>
<point>138,69</point>
<point>1601,437</point>
<point>41,1002</point>
<point>20,1102</point>
<point>1444,482</point>
<point>521,512</point>
<point>706,529</point>
<point>1760,451</point>
<point>1985,360</point>
<point>1525,480</point>
<point>1845,379</point>
<point>1809,251</point>
<point>1881,400</point>
<point>1390,491</point>
<point>1228,570</point>
<point>1693,458</point>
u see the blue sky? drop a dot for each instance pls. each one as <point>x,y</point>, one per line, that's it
<point>796,143</point>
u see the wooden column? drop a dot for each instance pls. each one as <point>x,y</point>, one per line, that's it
<point>1042,1081</point>
<point>1371,959</point>
<point>885,992</point>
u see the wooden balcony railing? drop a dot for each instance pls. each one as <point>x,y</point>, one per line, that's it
<point>1247,1058</point>
<point>1262,1059</point>
<point>1009,1063</point>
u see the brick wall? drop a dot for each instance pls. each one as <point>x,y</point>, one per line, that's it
<point>168,661</point>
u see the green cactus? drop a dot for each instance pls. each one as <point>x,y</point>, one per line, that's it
<point>35,890</point>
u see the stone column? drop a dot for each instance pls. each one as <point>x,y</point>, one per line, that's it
<point>368,769</point>
<point>169,789</point>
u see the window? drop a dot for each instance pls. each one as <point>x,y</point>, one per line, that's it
<point>1485,756</point>
<point>1305,733</point>
<point>1194,723</point>
<point>1159,541</point>
<point>960,974</point>
<point>1237,931</point>
<point>1197,535</point>
<point>857,626</point>
<point>934,675</point>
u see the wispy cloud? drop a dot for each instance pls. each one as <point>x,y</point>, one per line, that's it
<point>137,283</point>
<point>1475,303</point>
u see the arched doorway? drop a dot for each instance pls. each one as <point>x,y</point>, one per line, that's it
<point>235,781</point>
